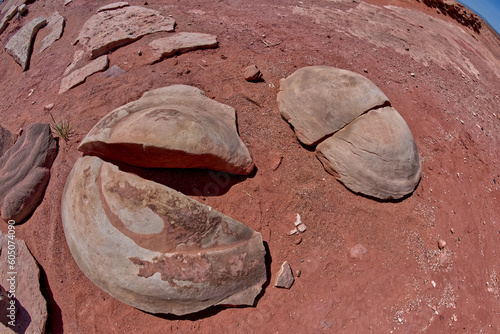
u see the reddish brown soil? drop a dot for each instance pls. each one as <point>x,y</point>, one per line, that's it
<point>451,104</point>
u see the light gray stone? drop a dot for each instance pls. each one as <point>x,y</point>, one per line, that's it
<point>55,24</point>
<point>171,127</point>
<point>22,10</point>
<point>154,248</point>
<point>79,76</point>
<point>112,6</point>
<point>7,17</point>
<point>25,172</point>
<point>113,71</point>
<point>31,313</point>
<point>110,29</point>
<point>320,100</point>
<point>19,46</point>
<point>285,277</point>
<point>180,43</point>
<point>375,155</point>
<point>358,251</point>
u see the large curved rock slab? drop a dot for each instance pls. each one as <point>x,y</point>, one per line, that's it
<point>25,172</point>
<point>31,307</point>
<point>320,100</point>
<point>154,248</point>
<point>171,127</point>
<point>108,30</point>
<point>374,155</point>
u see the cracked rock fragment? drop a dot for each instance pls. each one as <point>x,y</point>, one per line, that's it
<point>154,248</point>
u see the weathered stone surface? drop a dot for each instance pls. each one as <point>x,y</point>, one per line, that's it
<point>25,171</point>
<point>154,248</point>
<point>55,24</point>
<point>31,313</point>
<point>285,277</point>
<point>171,127</point>
<point>113,71</point>
<point>319,100</point>
<point>112,6</point>
<point>180,43</point>
<point>7,17</point>
<point>79,76</point>
<point>19,46</point>
<point>110,29</point>
<point>374,155</point>
<point>7,139</point>
<point>252,73</point>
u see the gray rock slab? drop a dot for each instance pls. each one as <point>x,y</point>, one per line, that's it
<point>320,100</point>
<point>171,127</point>
<point>154,248</point>
<point>112,6</point>
<point>180,43</point>
<point>79,76</point>
<point>375,155</point>
<point>25,172</point>
<point>108,30</point>
<point>19,46</point>
<point>55,24</point>
<point>31,307</point>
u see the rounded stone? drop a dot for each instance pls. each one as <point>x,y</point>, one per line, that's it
<point>375,155</point>
<point>154,248</point>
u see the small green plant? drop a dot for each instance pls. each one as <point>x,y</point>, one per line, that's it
<point>62,129</point>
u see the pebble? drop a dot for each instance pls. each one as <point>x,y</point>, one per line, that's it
<point>48,107</point>
<point>252,73</point>
<point>441,244</point>
<point>301,228</point>
<point>22,10</point>
<point>285,277</point>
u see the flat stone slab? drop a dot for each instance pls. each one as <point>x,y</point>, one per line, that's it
<point>25,172</point>
<point>55,24</point>
<point>19,46</point>
<point>31,308</point>
<point>320,100</point>
<point>171,127</point>
<point>9,14</point>
<point>154,248</point>
<point>375,155</point>
<point>112,6</point>
<point>108,30</point>
<point>79,76</point>
<point>180,43</point>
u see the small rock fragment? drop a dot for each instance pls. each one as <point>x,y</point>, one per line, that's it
<point>441,244</point>
<point>19,46</point>
<point>292,232</point>
<point>298,241</point>
<point>298,221</point>
<point>358,251</point>
<point>277,162</point>
<point>113,71</point>
<point>48,107</point>
<point>299,272</point>
<point>285,277</point>
<point>433,284</point>
<point>22,10</point>
<point>301,228</point>
<point>7,17</point>
<point>66,2</point>
<point>112,6</point>
<point>252,73</point>
<point>79,76</point>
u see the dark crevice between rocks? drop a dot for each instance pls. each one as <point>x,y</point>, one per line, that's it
<point>54,323</point>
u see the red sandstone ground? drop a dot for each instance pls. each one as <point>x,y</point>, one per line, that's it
<point>451,104</point>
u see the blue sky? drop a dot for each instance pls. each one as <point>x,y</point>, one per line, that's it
<point>487,9</point>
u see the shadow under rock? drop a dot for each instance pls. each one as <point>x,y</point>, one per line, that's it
<point>54,320</point>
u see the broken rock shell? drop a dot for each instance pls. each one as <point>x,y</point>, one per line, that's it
<point>154,248</point>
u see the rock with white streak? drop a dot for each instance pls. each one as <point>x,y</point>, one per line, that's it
<point>108,30</point>
<point>19,46</point>
<point>154,248</point>
<point>79,76</point>
<point>171,127</point>
<point>55,24</point>
<point>180,43</point>
<point>285,277</point>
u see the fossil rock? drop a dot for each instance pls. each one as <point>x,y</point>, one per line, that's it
<point>171,127</point>
<point>374,155</point>
<point>319,100</point>
<point>25,172</point>
<point>154,248</point>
